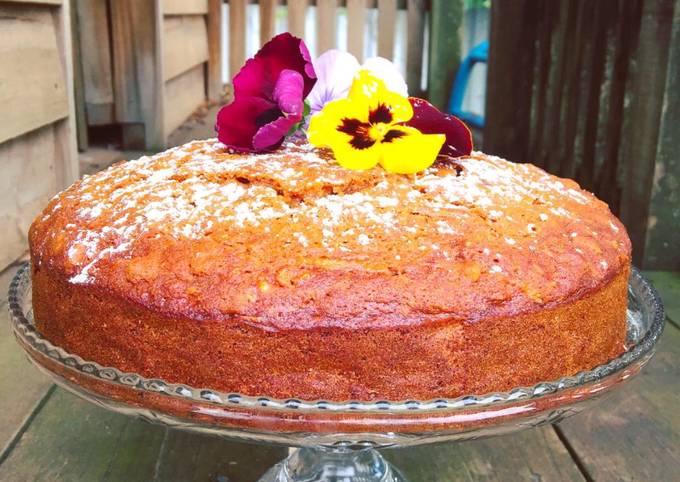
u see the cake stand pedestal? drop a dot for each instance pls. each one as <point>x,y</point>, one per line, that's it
<point>338,440</point>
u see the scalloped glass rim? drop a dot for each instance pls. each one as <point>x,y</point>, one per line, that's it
<point>639,350</point>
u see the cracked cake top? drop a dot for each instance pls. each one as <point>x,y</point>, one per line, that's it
<point>291,240</point>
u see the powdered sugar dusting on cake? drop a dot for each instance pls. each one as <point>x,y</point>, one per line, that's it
<point>300,193</point>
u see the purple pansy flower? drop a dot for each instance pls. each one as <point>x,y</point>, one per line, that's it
<point>430,120</point>
<point>269,93</point>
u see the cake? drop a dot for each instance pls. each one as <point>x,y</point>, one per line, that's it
<point>285,275</point>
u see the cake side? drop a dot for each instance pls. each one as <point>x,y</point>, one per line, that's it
<point>442,359</point>
<point>290,240</point>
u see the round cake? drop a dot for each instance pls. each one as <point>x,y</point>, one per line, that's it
<point>285,275</point>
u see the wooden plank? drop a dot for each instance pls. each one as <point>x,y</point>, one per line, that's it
<point>187,93</point>
<point>28,181</point>
<point>214,73</point>
<point>185,44</point>
<point>37,2</point>
<point>356,13</point>
<point>33,92</point>
<point>635,433</point>
<point>387,18</point>
<point>663,235</point>
<point>185,7</point>
<point>66,159</point>
<point>667,283</point>
<point>267,20</point>
<point>444,60</point>
<point>415,26</point>
<point>22,386</point>
<point>535,454</point>
<point>237,35</point>
<point>95,45</point>
<point>136,31</point>
<point>325,25</point>
<point>188,456</point>
<point>297,10</point>
<point>78,84</point>
<point>71,439</point>
<point>642,119</point>
<point>511,56</point>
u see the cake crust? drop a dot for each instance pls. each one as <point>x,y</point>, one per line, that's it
<point>286,275</point>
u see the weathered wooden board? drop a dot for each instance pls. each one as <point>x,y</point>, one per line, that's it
<point>237,35</point>
<point>186,92</point>
<point>185,44</point>
<point>387,17</point>
<point>22,387</point>
<point>95,47</point>
<point>45,2</point>
<point>188,456</point>
<point>28,181</point>
<point>642,116</point>
<point>445,54</point>
<point>267,19</point>
<point>325,25</point>
<point>185,7</point>
<point>663,233</point>
<point>33,91</point>
<point>535,454</point>
<point>297,9</point>
<point>635,434</point>
<point>356,14</point>
<point>136,30</point>
<point>215,86</point>
<point>71,439</point>
<point>415,27</point>
<point>667,283</point>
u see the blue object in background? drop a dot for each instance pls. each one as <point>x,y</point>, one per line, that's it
<point>479,53</point>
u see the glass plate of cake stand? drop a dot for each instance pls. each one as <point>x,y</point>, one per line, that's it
<point>338,440</point>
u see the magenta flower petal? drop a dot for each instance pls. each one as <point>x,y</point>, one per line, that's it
<point>430,120</point>
<point>259,75</point>
<point>288,96</point>
<point>238,122</point>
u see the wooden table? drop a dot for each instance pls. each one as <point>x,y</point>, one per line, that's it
<point>48,434</point>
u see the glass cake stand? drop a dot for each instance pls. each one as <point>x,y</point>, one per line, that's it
<point>337,440</point>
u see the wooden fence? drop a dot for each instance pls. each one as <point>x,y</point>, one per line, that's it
<point>145,65</point>
<point>442,34</point>
<point>589,90</point>
<point>37,134</point>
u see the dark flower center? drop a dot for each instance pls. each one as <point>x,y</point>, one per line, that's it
<point>268,116</point>
<point>366,134</point>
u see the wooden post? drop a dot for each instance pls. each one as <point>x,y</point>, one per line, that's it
<point>214,69</point>
<point>415,26</point>
<point>136,28</point>
<point>647,83</point>
<point>325,25</point>
<point>445,22</point>
<point>356,11</point>
<point>267,20</point>
<point>387,16</point>
<point>509,77</point>
<point>663,225</point>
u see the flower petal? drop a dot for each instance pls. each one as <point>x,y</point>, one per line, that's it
<point>335,70</point>
<point>288,96</point>
<point>258,76</point>
<point>238,122</point>
<point>405,150</point>
<point>288,92</point>
<point>388,73</point>
<point>430,120</point>
<point>325,126</point>
<point>370,91</point>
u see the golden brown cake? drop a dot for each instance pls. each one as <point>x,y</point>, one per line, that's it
<point>286,275</point>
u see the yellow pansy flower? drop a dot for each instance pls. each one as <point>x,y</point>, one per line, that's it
<point>364,129</point>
